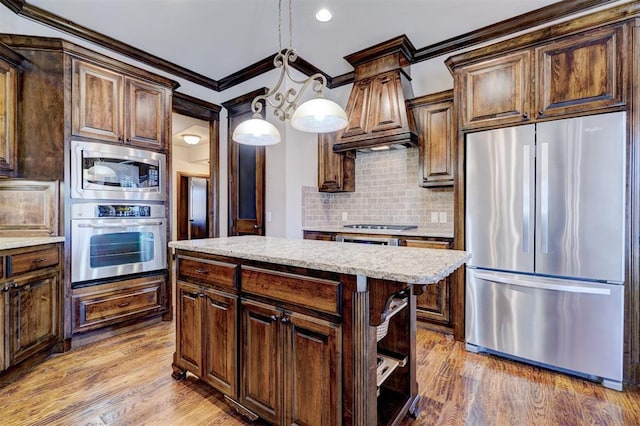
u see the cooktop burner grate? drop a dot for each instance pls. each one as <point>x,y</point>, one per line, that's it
<point>375,226</point>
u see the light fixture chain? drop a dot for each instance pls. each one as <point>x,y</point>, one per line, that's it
<point>290,25</point>
<point>279,25</point>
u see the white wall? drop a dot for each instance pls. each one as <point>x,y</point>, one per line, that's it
<point>185,160</point>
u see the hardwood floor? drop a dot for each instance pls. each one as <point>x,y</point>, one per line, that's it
<point>126,380</point>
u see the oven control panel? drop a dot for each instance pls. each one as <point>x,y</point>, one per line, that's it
<point>120,210</point>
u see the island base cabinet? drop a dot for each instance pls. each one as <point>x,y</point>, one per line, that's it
<point>291,366</point>
<point>206,336</point>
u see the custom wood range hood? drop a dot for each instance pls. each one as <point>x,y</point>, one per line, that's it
<point>377,114</point>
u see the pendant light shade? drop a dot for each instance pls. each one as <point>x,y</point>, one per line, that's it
<point>319,115</point>
<point>256,131</point>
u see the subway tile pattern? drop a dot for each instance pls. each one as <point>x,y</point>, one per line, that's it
<point>386,192</point>
<point>403,264</point>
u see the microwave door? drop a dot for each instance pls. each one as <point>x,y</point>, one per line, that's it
<point>500,198</point>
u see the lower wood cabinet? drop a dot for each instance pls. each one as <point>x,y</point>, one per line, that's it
<point>290,365</point>
<point>102,305</point>
<point>206,341</point>
<point>30,306</point>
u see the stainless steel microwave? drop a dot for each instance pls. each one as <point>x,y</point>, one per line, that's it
<point>111,172</point>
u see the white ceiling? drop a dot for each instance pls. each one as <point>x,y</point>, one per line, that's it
<point>219,37</point>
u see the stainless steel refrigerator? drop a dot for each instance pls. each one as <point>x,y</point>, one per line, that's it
<point>545,225</point>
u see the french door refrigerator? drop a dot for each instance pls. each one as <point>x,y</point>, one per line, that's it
<point>545,225</point>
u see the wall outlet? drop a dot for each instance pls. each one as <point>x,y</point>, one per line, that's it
<point>443,217</point>
<point>268,216</point>
<point>345,216</point>
<point>434,217</point>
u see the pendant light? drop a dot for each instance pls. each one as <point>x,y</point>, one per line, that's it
<point>317,115</point>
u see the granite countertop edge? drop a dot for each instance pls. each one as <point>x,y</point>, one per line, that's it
<point>402,264</point>
<point>7,243</point>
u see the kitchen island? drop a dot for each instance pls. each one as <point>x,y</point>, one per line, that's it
<point>304,331</point>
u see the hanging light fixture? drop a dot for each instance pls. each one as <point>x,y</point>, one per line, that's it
<point>317,115</point>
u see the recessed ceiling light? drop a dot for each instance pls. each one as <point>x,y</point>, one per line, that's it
<point>191,139</point>
<point>324,15</point>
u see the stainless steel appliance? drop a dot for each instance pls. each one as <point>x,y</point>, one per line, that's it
<point>545,225</point>
<point>110,240</point>
<point>366,239</point>
<point>111,172</point>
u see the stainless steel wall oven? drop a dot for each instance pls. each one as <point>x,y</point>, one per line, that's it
<point>116,239</point>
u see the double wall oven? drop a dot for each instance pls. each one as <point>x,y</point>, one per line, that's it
<point>118,214</point>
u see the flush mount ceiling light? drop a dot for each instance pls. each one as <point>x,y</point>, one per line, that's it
<point>324,15</point>
<point>318,115</point>
<point>191,139</point>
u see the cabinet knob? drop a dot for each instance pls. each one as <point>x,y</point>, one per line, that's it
<point>273,318</point>
<point>541,112</point>
<point>202,271</point>
<point>285,320</point>
<point>525,115</point>
<point>120,138</point>
<point>257,226</point>
<point>128,139</point>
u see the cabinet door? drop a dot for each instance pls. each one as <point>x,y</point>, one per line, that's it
<point>3,325</point>
<point>496,91</point>
<point>189,328</point>
<point>312,371</point>
<point>336,171</point>
<point>387,112</point>
<point>581,73</point>
<point>8,122</point>
<point>436,138</point>
<point>220,348</point>
<point>145,114</point>
<point>97,102</point>
<point>34,323</point>
<point>261,360</point>
<point>433,305</point>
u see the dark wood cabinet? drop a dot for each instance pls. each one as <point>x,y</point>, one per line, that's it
<point>34,315</point>
<point>336,171</point>
<point>437,131</point>
<point>495,91</point>
<point>578,74</point>
<point>112,106</point>
<point>8,117</point>
<point>286,358</point>
<point>434,304</point>
<point>581,73</point>
<point>31,306</point>
<point>206,322</point>
<point>206,341</point>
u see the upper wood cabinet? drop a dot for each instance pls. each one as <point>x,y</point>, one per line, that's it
<point>496,91</point>
<point>581,73</point>
<point>111,106</point>
<point>577,74</point>
<point>336,171</point>
<point>436,135</point>
<point>8,117</point>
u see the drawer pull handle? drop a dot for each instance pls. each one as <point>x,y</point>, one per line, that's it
<point>123,304</point>
<point>202,271</point>
<point>38,260</point>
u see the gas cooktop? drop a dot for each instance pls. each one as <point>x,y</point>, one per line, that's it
<point>374,226</point>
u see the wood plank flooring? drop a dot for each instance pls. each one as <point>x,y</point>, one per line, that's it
<point>126,380</point>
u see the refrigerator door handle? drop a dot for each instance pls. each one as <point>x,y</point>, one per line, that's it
<point>544,196</point>
<point>526,196</point>
<point>571,285</point>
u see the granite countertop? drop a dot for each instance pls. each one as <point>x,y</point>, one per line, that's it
<point>415,232</point>
<point>19,242</point>
<point>404,264</point>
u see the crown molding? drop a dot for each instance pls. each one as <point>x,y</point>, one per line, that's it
<point>522,22</point>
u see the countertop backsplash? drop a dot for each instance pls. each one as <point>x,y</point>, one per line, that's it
<point>387,192</point>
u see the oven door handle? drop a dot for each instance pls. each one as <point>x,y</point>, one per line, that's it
<point>119,225</point>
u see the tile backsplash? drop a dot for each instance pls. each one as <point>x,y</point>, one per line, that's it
<point>386,192</point>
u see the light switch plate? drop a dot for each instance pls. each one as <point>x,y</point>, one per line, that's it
<point>443,217</point>
<point>434,217</point>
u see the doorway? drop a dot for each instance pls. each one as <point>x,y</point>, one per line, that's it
<point>195,168</point>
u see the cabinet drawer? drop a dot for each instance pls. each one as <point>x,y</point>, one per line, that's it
<point>31,261</point>
<point>102,305</point>
<point>427,244</point>
<point>322,295</point>
<point>203,271</point>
